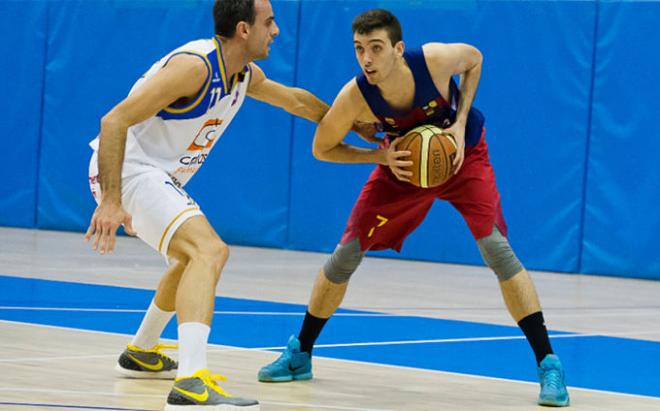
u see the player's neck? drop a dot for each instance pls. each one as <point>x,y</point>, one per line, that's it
<point>234,55</point>
<point>397,81</point>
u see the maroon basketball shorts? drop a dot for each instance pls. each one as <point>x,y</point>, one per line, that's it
<point>388,210</point>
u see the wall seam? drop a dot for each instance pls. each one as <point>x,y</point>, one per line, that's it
<point>41,118</point>
<point>287,240</point>
<point>587,151</point>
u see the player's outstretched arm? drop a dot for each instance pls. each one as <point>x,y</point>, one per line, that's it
<point>183,76</point>
<point>294,100</point>
<point>299,102</point>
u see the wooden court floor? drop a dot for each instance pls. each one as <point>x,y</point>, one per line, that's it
<point>51,359</point>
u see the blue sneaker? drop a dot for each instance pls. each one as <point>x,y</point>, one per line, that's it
<point>292,365</point>
<point>553,388</point>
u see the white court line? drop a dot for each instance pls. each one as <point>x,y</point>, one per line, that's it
<point>435,341</point>
<point>232,348</point>
<point>483,377</point>
<point>121,310</point>
<point>121,394</point>
<point>420,314</point>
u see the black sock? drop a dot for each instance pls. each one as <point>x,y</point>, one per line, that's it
<point>310,331</point>
<point>534,328</point>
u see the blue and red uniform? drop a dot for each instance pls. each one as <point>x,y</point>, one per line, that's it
<point>388,210</point>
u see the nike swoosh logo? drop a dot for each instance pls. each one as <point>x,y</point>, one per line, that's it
<point>151,367</point>
<point>197,397</point>
<point>294,369</point>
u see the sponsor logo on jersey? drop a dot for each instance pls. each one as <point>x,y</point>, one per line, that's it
<point>206,135</point>
<point>193,160</point>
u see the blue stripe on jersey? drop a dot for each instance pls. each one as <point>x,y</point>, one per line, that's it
<point>215,88</point>
<point>193,108</point>
<point>429,106</point>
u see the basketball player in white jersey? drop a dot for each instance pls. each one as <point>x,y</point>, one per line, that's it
<point>149,146</point>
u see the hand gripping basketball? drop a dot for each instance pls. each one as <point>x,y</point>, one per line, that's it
<point>432,153</point>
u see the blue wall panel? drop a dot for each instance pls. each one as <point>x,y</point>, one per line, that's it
<point>244,186</point>
<point>22,51</point>
<point>623,192</point>
<point>92,65</point>
<point>578,185</point>
<point>96,51</point>
<point>536,106</point>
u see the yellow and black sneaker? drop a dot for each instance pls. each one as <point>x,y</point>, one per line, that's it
<point>201,390</point>
<point>135,362</point>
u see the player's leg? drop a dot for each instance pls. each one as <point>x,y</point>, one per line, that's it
<point>329,290</point>
<point>523,304</point>
<point>161,309</point>
<point>203,253</point>
<point>327,294</point>
<point>143,358</point>
<point>165,297</point>
<point>474,194</point>
<point>385,213</point>
<point>167,219</point>
<point>517,289</point>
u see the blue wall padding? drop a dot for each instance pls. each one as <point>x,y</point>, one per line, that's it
<point>244,188</point>
<point>96,51</point>
<point>622,221</point>
<point>565,86</point>
<point>245,179</point>
<point>536,113</point>
<point>22,53</point>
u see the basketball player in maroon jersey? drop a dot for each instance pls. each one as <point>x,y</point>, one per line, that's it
<point>401,89</point>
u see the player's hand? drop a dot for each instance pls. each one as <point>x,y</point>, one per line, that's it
<point>397,163</point>
<point>367,131</point>
<point>103,227</point>
<point>457,131</point>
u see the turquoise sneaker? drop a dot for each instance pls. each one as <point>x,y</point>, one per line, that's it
<point>292,365</point>
<point>553,388</point>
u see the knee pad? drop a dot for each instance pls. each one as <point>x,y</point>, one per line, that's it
<point>343,262</point>
<point>498,255</point>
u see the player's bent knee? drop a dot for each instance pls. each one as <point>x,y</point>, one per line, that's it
<point>498,255</point>
<point>221,251</point>
<point>343,262</point>
<point>213,256</point>
<point>213,253</point>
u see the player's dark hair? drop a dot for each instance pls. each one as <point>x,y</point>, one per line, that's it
<point>228,13</point>
<point>376,19</point>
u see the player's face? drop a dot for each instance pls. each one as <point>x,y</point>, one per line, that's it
<point>376,54</point>
<point>263,31</point>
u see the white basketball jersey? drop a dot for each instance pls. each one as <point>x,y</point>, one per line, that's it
<point>179,138</point>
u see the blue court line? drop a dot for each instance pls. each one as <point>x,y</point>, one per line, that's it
<point>596,362</point>
<point>78,407</point>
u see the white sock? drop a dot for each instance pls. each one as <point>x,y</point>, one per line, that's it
<point>193,338</point>
<point>153,324</point>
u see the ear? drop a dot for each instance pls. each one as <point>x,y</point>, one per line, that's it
<point>242,29</point>
<point>399,48</point>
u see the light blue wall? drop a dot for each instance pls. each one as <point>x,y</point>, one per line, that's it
<point>22,59</point>
<point>567,88</point>
<point>622,194</point>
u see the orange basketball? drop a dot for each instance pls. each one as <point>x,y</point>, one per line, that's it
<point>432,154</point>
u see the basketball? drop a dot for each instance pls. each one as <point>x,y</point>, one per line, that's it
<point>432,152</point>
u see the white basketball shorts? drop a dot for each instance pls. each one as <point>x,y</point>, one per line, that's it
<point>158,206</point>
